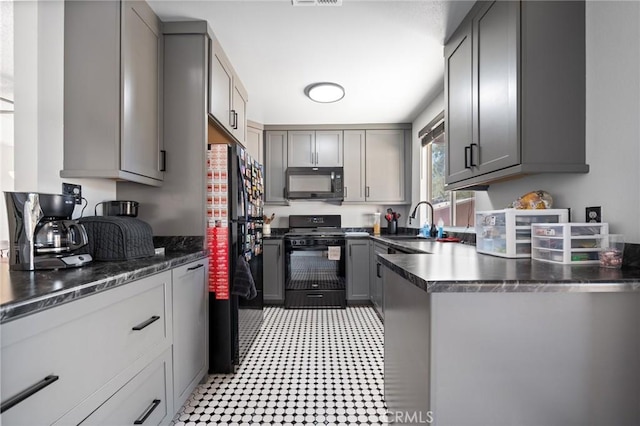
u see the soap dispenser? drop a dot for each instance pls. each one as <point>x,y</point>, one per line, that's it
<point>440,228</point>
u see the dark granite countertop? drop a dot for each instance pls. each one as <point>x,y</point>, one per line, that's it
<point>24,292</point>
<point>273,237</point>
<point>457,268</point>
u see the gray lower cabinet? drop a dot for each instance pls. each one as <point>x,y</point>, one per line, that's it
<point>146,398</point>
<point>112,357</point>
<point>406,349</point>
<point>358,271</point>
<point>83,353</point>
<point>190,307</point>
<point>375,281</point>
<point>514,92</point>
<point>273,271</point>
<point>112,92</point>
<point>275,156</point>
<point>487,358</point>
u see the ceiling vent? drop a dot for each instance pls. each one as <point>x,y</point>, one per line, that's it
<point>316,2</point>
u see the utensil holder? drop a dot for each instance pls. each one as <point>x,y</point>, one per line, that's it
<point>392,227</point>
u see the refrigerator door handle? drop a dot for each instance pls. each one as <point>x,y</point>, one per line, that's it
<point>244,193</point>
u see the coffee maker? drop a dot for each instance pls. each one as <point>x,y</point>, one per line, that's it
<point>42,234</point>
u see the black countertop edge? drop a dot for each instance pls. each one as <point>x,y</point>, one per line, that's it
<point>25,292</point>
<point>487,274</point>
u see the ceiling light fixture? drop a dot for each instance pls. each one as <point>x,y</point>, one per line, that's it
<point>324,92</point>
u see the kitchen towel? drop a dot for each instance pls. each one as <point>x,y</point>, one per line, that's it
<point>334,253</point>
<point>243,283</point>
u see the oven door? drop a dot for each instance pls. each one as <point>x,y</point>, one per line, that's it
<point>315,275</point>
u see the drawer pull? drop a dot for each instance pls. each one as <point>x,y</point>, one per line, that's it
<point>147,412</point>
<point>193,268</point>
<point>315,296</point>
<point>146,323</point>
<point>18,398</point>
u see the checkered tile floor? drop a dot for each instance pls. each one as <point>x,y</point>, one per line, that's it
<point>306,367</point>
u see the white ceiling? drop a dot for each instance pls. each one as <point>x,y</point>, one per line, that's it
<point>386,54</point>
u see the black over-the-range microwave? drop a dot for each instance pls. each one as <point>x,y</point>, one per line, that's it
<point>314,183</point>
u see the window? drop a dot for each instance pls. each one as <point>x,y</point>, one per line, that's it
<point>433,166</point>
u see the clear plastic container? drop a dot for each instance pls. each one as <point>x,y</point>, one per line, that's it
<point>507,232</point>
<point>569,243</point>
<point>376,223</point>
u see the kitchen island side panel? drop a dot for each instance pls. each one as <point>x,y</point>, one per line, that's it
<point>535,358</point>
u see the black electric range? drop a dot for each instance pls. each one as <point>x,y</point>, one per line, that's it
<point>315,262</point>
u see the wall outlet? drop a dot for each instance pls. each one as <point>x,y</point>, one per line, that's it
<point>72,189</point>
<point>593,214</point>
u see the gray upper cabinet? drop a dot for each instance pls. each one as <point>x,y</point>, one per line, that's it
<point>228,98</point>
<point>254,143</point>
<point>221,87</point>
<point>386,156</point>
<point>112,92</point>
<point>363,153</point>
<point>515,92</point>
<point>275,149</point>
<point>354,171</point>
<point>315,148</point>
<point>329,148</point>
<point>358,270</point>
<point>301,148</point>
<point>459,93</point>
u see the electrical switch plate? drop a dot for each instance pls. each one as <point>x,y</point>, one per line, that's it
<point>593,214</point>
<point>72,189</point>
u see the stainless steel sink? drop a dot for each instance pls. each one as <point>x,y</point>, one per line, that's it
<point>405,237</point>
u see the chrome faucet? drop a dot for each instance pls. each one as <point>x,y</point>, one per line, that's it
<point>433,231</point>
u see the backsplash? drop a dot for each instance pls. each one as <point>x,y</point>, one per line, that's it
<point>185,243</point>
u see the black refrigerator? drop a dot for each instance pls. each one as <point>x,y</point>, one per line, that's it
<point>235,208</point>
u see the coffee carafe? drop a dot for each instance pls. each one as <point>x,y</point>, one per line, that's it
<point>42,234</point>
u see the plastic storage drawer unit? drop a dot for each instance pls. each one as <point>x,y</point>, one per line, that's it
<point>569,243</point>
<point>507,233</point>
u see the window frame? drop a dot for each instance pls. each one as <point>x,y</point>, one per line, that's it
<point>434,133</point>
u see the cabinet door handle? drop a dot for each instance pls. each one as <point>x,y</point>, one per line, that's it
<point>350,247</point>
<point>317,159</point>
<point>21,396</point>
<point>163,164</point>
<point>193,268</point>
<point>378,270</point>
<point>235,120</point>
<point>471,154</point>
<point>345,192</point>
<point>467,151</point>
<point>366,192</point>
<point>146,323</point>
<point>147,412</point>
<point>278,251</point>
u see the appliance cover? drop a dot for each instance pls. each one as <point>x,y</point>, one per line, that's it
<point>118,237</point>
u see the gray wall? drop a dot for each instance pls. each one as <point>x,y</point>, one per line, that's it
<point>612,130</point>
<point>36,148</point>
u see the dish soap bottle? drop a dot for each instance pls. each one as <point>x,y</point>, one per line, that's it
<point>440,228</point>
<point>424,230</point>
